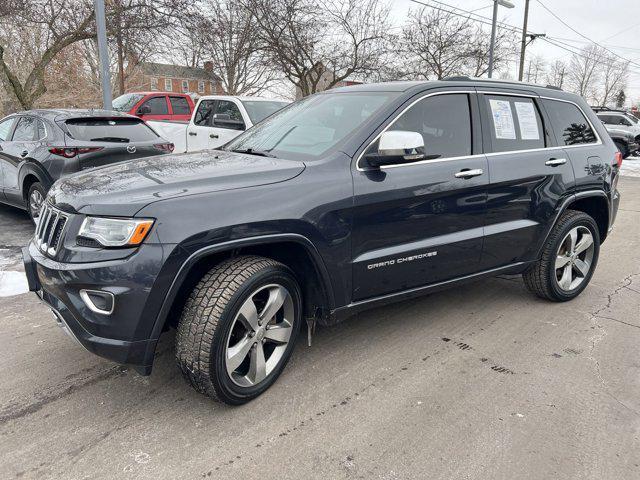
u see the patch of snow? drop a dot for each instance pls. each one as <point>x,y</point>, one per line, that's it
<point>631,167</point>
<point>13,283</point>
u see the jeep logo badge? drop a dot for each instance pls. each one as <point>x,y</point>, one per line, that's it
<point>131,149</point>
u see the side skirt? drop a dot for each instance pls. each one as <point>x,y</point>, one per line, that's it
<point>342,313</point>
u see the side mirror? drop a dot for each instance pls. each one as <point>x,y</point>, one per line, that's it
<point>144,110</point>
<point>398,147</point>
<point>224,120</point>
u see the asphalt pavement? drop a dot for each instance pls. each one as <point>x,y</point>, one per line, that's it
<point>483,381</point>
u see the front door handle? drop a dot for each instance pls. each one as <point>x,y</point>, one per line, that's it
<point>469,173</point>
<point>24,153</point>
<point>214,135</point>
<point>193,134</point>
<point>554,162</point>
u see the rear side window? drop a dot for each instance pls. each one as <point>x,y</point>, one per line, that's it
<point>514,124</point>
<point>5,129</point>
<point>180,106</point>
<point>204,114</point>
<point>157,105</point>
<point>118,130</point>
<point>569,123</point>
<point>444,121</point>
<point>25,130</point>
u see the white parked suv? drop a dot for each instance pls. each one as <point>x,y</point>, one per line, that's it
<point>621,121</point>
<point>216,120</point>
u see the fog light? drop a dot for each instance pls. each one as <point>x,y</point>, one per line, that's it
<point>98,301</point>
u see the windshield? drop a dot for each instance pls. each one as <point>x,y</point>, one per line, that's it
<point>259,110</point>
<point>632,117</point>
<point>126,102</point>
<point>311,126</point>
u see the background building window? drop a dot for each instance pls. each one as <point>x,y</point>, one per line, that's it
<point>167,85</point>
<point>185,85</point>
<point>213,88</point>
<point>201,86</point>
<point>154,83</point>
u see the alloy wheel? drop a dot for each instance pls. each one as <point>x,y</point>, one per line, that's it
<point>574,258</point>
<point>259,335</point>
<point>35,204</point>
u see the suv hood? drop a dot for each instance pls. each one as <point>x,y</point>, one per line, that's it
<point>124,188</point>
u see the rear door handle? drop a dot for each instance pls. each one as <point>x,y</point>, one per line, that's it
<point>469,173</point>
<point>213,135</point>
<point>193,134</point>
<point>24,153</point>
<point>554,162</point>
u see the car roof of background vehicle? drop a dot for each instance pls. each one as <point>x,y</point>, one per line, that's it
<point>156,92</point>
<point>67,113</point>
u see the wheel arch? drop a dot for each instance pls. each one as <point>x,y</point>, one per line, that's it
<point>31,173</point>
<point>596,205</point>
<point>293,250</point>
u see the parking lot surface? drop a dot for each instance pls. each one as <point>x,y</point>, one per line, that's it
<point>484,381</point>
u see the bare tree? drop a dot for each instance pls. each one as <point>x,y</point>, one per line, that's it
<point>440,44</point>
<point>224,32</point>
<point>56,24</point>
<point>614,74</point>
<point>556,74</point>
<point>536,69</point>
<point>317,44</point>
<point>584,74</point>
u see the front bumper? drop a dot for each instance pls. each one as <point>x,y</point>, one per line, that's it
<point>122,336</point>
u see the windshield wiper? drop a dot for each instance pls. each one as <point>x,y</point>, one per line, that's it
<point>110,139</point>
<point>251,151</point>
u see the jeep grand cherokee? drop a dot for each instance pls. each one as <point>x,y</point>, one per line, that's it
<point>345,200</point>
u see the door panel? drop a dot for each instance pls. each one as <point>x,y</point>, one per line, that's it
<point>15,153</point>
<point>6,129</point>
<point>418,224</point>
<point>528,177</point>
<point>225,134</point>
<point>200,132</point>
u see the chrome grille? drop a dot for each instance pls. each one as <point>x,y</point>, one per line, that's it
<point>50,229</point>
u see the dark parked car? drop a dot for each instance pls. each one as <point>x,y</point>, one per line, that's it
<point>345,200</point>
<point>37,147</point>
<point>624,140</point>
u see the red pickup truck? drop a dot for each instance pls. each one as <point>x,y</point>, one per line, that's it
<point>156,105</point>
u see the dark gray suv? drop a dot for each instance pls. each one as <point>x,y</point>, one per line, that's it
<point>38,147</point>
<point>345,200</point>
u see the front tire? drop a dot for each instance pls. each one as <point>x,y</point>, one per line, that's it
<point>35,200</point>
<point>569,258</point>
<point>238,328</point>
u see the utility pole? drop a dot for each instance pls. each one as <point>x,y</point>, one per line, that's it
<point>523,44</point>
<point>103,52</point>
<point>503,3</point>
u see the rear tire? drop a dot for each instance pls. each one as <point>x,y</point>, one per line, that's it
<point>569,258</point>
<point>35,200</point>
<point>238,328</point>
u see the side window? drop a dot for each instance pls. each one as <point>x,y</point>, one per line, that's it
<point>157,106</point>
<point>226,107</point>
<point>204,114</point>
<point>25,130</point>
<point>623,121</point>
<point>444,121</point>
<point>569,123</point>
<point>42,131</point>
<point>515,123</point>
<point>179,105</point>
<point>5,129</point>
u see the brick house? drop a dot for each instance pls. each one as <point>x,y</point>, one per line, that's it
<point>150,76</point>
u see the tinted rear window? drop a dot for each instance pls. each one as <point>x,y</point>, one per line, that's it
<point>119,130</point>
<point>568,123</point>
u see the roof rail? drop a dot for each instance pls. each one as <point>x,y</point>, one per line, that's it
<point>464,78</point>
<point>553,87</point>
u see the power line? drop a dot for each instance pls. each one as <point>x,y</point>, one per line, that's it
<point>584,36</point>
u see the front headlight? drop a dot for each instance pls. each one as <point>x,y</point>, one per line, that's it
<point>115,232</point>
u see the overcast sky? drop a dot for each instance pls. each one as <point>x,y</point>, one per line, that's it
<point>610,23</point>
